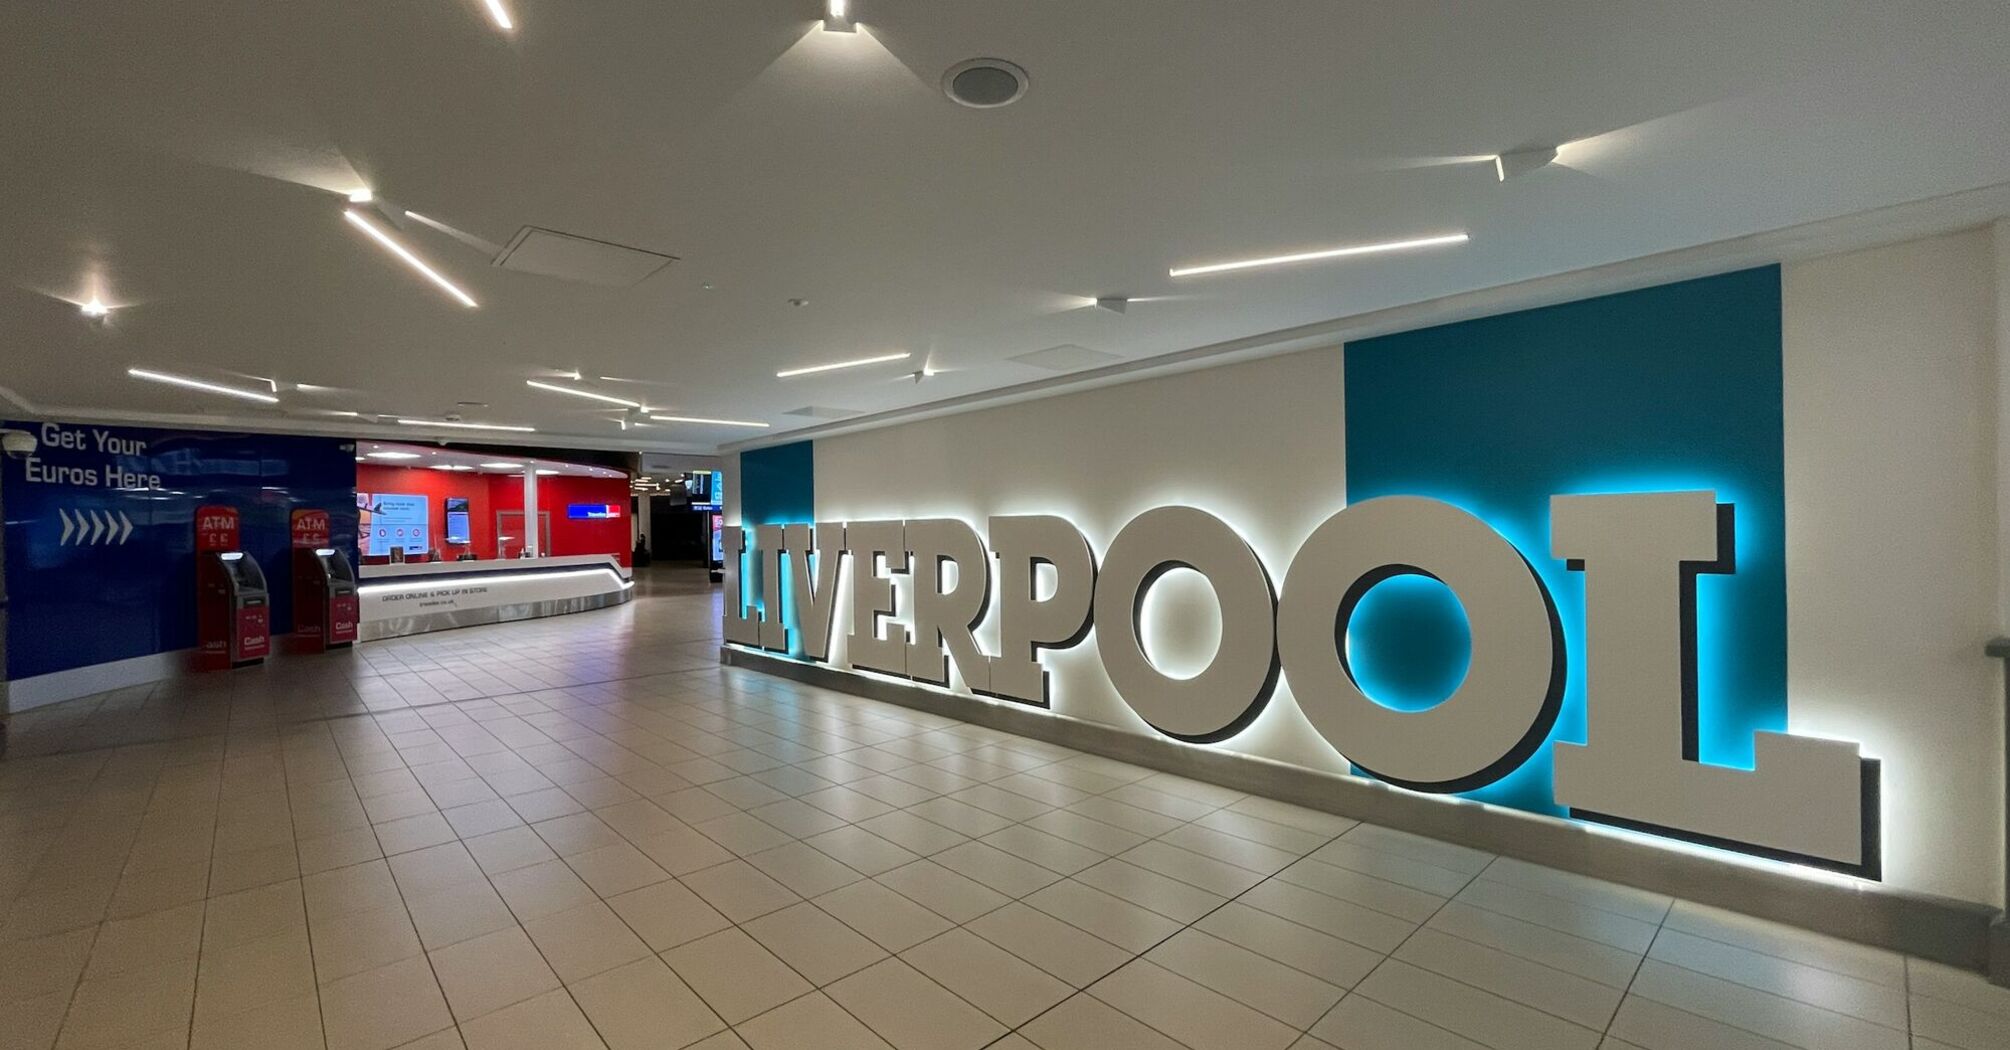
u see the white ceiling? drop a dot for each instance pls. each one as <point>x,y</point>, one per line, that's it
<point>394,454</point>
<point>192,157</point>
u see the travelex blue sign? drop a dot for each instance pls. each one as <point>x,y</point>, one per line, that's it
<point>101,532</point>
<point>1558,584</point>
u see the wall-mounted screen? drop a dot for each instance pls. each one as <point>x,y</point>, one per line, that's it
<point>457,520</point>
<point>706,488</point>
<point>397,521</point>
<point>592,511</point>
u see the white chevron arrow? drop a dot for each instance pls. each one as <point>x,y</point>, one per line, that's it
<point>126,532</point>
<point>97,527</point>
<point>68,527</point>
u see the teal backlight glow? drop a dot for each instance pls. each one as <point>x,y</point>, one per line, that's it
<point>1671,388</point>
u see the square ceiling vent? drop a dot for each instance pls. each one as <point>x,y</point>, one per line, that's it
<point>570,257</point>
<point>1066,358</point>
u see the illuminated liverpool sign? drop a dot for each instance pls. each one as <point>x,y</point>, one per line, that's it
<point>1805,799</point>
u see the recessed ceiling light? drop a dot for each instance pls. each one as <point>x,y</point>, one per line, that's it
<point>362,196</point>
<point>837,17</point>
<point>985,83</point>
<point>502,466</point>
<point>813,369</point>
<point>399,250</point>
<point>575,392</point>
<point>501,14</point>
<point>197,384</point>
<point>465,426</point>
<point>1521,162</point>
<point>451,466</point>
<point>393,455</point>
<point>96,308</point>
<point>1330,253</point>
<point>707,422</point>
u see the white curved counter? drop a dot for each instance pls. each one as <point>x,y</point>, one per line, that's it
<point>413,598</point>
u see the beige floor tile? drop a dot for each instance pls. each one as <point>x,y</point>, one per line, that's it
<point>643,1005</point>
<point>994,980</point>
<point>811,1021</point>
<point>32,1023</point>
<point>739,890</point>
<point>1296,998</point>
<point>735,976</point>
<point>682,850</point>
<point>585,941</point>
<point>1328,958</point>
<point>434,868</point>
<point>236,978</point>
<point>410,833</point>
<point>1117,921</point>
<point>548,1022</point>
<point>543,889</point>
<point>912,1012</point>
<point>508,850</point>
<point>814,944</point>
<point>363,941</point>
<point>886,918</point>
<point>149,940</point>
<point>1180,901</point>
<point>458,913</point>
<point>804,870</point>
<point>45,965</point>
<point>129,1007</point>
<point>1088,1023</point>
<point>667,914</point>
<point>483,975</point>
<point>230,872</point>
<point>383,1008</point>
<point>1359,1023</point>
<point>338,849</point>
<point>359,887</point>
<point>140,892</point>
<point>617,869</point>
<point>1194,1015</point>
<point>286,1024</point>
<point>944,892</point>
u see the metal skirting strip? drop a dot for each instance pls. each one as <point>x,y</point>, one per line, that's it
<point>401,626</point>
<point>1938,928</point>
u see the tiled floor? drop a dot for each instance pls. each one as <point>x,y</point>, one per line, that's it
<point>582,832</point>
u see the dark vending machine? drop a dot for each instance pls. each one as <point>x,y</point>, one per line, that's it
<point>233,613</point>
<point>324,587</point>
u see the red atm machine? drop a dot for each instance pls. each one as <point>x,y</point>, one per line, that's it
<point>233,615</point>
<point>324,587</point>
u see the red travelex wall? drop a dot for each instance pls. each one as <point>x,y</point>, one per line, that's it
<point>568,535</point>
<point>436,486</point>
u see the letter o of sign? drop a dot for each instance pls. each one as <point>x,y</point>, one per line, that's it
<point>1508,702</point>
<point>1221,700</point>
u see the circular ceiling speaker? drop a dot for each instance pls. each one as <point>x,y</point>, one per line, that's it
<point>985,83</point>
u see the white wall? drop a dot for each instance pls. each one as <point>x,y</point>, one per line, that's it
<point>1260,445</point>
<point>1891,507</point>
<point>1891,541</point>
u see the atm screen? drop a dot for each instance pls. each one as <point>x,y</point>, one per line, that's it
<point>457,520</point>
<point>243,571</point>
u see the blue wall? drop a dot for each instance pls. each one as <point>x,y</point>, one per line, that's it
<point>1675,387</point>
<point>778,485</point>
<point>77,603</point>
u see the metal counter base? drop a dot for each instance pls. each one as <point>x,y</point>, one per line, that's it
<point>376,630</point>
<point>400,600</point>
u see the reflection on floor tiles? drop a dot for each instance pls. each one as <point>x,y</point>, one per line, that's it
<point>582,832</point>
